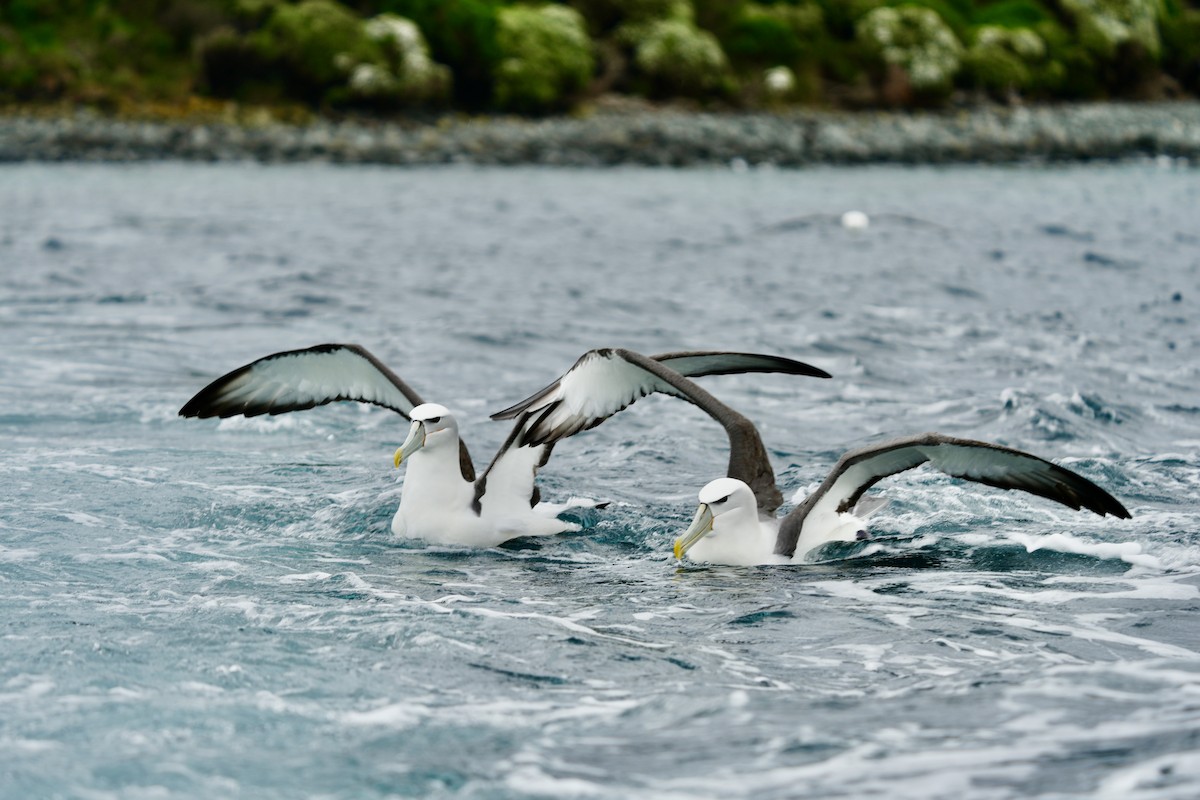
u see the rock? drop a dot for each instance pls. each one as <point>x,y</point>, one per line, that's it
<point>655,137</point>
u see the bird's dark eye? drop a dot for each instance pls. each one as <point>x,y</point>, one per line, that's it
<point>722,500</point>
<point>434,420</point>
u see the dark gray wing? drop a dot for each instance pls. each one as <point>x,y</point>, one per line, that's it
<point>295,380</point>
<point>698,364</point>
<point>982,462</point>
<point>602,382</point>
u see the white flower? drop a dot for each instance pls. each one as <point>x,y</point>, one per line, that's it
<point>368,79</point>
<point>779,80</point>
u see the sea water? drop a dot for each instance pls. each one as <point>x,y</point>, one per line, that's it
<point>218,609</point>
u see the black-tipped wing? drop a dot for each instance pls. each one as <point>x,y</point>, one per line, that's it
<point>295,380</point>
<point>300,379</point>
<point>982,462</point>
<point>602,382</point>
<point>701,363</point>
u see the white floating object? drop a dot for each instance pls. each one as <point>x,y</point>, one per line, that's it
<point>855,221</point>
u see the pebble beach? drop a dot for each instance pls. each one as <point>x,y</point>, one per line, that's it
<point>650,137</point>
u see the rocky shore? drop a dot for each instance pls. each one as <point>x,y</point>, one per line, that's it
<point>645,137</point>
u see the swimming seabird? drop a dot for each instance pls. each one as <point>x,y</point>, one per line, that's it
<point>442,501</point>
<point>726,529</point>
<point>736,522</point>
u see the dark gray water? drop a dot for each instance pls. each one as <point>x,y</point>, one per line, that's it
<point>203,609</point>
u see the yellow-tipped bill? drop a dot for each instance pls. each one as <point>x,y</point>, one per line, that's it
<point>701,526</point>
<point>414,442</point>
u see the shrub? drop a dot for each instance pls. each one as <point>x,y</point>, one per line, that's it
<point>1181,48</point>
<point>956,14</point>
<point>763,39</point>
<point>547,57</point>
<point>1004,60</point>
<point>253,14</point>
<point>840,16</point>
<point>1012,14</point>
<point>1072,71</point>
<point>224,59</point>
<point>1106,25</point>
<point>603,15</point>
<point>718,16</point>
<point>916,40</point>
<point>1121,39</point>
<point>462,35</point>
<point>680,59</point>
<point>405,76</point>
<point>318,41</point>
<point>43,73</point>
<point>779,34</point>
<point>186,21</point>
<point>417,78</point>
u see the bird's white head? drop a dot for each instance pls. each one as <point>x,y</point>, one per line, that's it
<point>726,504</point>
<point>433,426</point>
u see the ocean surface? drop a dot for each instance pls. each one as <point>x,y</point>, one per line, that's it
<point>218,609</point>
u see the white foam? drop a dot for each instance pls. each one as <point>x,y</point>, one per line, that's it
<point>1129,552</point>
<point>1175,776</point>
<point>304,577</point>
<point>9,744</point>
<point>395,716</point>
<point>13,554</point>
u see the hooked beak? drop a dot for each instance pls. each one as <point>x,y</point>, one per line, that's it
<point>414,442</point>
<point>702,525</point>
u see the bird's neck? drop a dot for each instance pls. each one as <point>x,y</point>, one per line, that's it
<point>434,477</point>
<point>738,538</point>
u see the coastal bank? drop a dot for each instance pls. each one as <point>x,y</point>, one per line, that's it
<point>652,137</point>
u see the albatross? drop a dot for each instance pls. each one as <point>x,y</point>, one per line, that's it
<point>442,500</point>
<point>736,524</point>
<point>726,529</point>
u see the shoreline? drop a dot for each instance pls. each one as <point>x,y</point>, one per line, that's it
<point>668,138</point>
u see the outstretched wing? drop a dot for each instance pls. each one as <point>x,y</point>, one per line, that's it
<point>295,380</point>
<point>982,462</point>
<point>602,382</point>
<point>697,364</point>
<point>298,379</point>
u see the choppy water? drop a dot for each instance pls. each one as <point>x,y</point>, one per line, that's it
<point>202,609</point>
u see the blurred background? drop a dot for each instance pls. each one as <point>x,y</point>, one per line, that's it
<point>389,57</point>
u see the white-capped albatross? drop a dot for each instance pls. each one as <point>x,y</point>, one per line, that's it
<point>442,501</point>
<point>726,529</point>
<point>603,382</point>
<point>735,523</point>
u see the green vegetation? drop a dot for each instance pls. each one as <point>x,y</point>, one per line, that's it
<point>547,57</point>
<point>1009,60</point>
<point>915,40</point>
<point>677,59</point>
<point>539,56</point>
